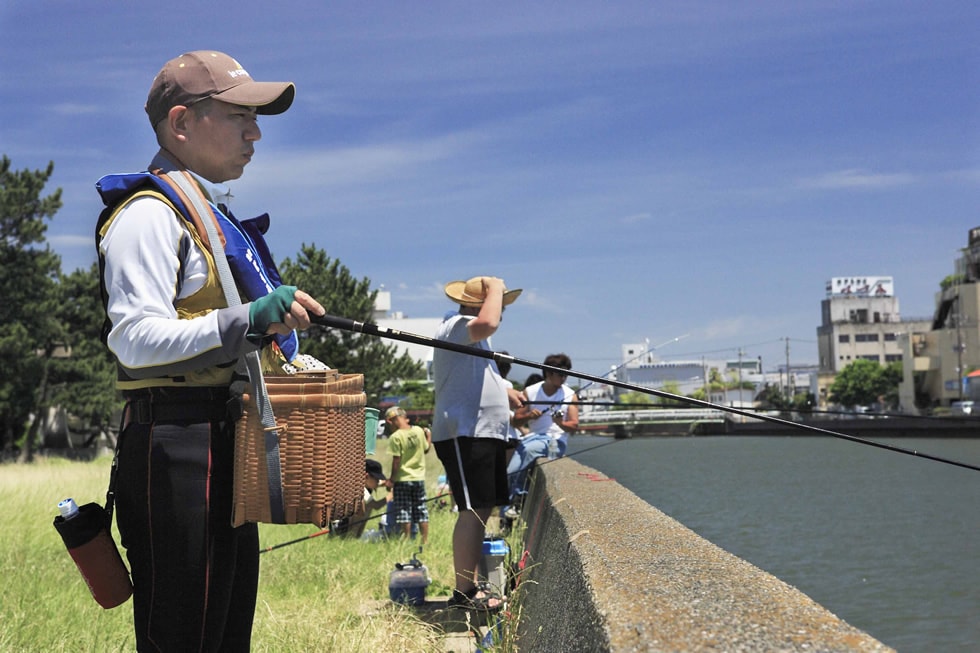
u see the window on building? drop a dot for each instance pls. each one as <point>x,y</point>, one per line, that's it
<point>891,337</point>
<point>893,358</point>
<point>859,315</point>
<point>866,337</point>
<point>844,337</point>
<point>870,358</point>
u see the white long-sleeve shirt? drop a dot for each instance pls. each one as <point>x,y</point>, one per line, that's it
<point>151,261</point>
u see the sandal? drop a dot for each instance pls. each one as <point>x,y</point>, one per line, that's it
<point>470,601</point>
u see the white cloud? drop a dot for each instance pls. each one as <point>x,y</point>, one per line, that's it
<point>858,179</point>
<point>76,108</point>
<point>66,241</point>
<point>724,328</point>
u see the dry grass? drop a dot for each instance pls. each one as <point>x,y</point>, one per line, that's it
<point>321,594</point>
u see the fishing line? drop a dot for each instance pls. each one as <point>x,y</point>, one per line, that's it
<point>640,355</point>
<point>804,411</point>
<point>393,334</point>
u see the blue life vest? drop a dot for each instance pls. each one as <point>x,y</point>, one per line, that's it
<point>245,248</point>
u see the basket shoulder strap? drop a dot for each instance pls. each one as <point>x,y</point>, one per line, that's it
<point>197,211</point>
<point>253,364</point>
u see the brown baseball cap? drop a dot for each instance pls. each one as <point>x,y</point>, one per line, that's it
<point>195,76</point>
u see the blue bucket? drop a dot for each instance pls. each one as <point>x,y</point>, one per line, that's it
<point>370,429</point>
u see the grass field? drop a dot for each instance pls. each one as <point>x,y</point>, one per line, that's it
<point>321,594</point>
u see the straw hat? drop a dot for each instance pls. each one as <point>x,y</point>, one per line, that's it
<point>470,293</point>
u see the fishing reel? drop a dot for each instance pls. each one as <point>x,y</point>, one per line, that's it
<point>556,414</point>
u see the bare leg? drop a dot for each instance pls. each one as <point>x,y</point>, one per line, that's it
<point>468,546</point>
<point>424,531</point>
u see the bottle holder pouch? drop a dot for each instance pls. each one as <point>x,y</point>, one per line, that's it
<point>90,544</point>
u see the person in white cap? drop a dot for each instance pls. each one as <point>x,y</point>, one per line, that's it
<point>177,343</point>
<point>470,427</point>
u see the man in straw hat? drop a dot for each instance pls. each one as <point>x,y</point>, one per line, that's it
<point>470,427</point>
<point>177,343</point>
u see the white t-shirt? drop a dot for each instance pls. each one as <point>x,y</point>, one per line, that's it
<point>544,423</point>
<point>471,396</point>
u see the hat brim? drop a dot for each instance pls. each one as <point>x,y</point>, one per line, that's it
<point>456,291</point>
<point>268,98</point>
<point>378,475</point>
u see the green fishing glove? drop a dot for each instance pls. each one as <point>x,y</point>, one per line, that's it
<point>271,308</point>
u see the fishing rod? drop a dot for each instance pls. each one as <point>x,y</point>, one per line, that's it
<point>354,326</point>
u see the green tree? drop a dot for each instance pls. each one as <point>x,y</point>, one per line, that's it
<point>773,397</point>
<point>715,378</point>
<point>629,400</point>
<point>952,280</point>
<point>84,383</point>
<point>29,329</point>
<point>866,382</point>
<point>343,295</point>
<point>419,395</point>
<point>674,388</point>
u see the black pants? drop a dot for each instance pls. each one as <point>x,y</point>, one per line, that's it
<point>195,577</point>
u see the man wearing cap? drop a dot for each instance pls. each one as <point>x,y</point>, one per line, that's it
<point>470,427</point>
<point>177,341</point>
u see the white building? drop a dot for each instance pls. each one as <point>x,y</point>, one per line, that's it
<point>860,319</point>
<point>422,326</point>
<point>642,367</point>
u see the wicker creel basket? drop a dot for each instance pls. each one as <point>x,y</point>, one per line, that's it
<point>320,420</point>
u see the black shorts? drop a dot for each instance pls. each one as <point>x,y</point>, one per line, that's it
<point>476,469</point>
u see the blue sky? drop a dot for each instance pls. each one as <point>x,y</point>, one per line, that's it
<point>643,170</point>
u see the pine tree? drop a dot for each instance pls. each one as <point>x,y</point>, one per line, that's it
<point>29,329</point>
<point>84,383</point>
<point>332,284</point>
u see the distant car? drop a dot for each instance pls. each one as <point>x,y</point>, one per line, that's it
<point>962,407</point>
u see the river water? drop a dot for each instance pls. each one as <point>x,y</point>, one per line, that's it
<point>886,541</point>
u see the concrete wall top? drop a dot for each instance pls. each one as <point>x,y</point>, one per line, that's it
<point>609,572</point>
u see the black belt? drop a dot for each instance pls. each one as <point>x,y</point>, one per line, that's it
<point>182,405</point>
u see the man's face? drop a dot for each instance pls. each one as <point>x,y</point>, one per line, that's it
<point>220,143</point>
<point>555,379</point>
<point>370,482</point>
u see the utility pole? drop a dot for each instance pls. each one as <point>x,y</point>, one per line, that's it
<point>959,350</point>
<point>740,352</point>
<point>789,390</point>
<point>707,384</point>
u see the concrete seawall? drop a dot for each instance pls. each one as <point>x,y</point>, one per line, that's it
<point>607,571</point>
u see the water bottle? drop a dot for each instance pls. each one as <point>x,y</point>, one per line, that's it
<point>68,508</point>
<point>85,532</point>
<point>492,566</point>
<point>552,447</point>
